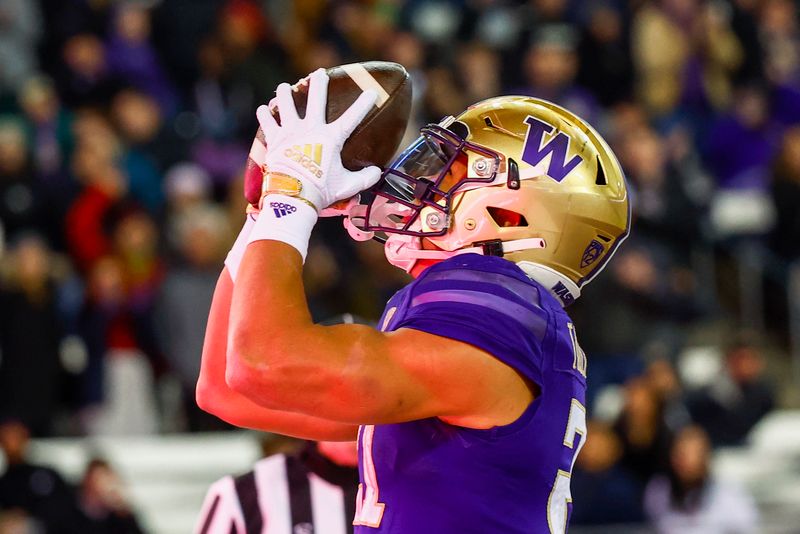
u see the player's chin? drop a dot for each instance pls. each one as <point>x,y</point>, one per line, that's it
<point>420,266</point>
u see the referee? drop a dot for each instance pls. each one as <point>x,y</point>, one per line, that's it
<point>310,492</point>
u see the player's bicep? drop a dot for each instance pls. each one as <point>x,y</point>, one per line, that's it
<point>425,375</point>
<point>355,374</point>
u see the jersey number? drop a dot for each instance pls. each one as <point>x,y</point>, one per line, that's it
<point>369,511</point>
<point>560,496</point>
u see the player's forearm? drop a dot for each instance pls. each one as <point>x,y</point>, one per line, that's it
<point>269,321</point>
<point>239,411</point>
<point>214,396</point>
<point>278,358</point>
<point>269,297</point>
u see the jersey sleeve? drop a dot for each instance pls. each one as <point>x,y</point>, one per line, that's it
<point>496,312</point>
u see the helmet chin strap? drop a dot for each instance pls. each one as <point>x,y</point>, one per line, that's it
<point>403,251</point>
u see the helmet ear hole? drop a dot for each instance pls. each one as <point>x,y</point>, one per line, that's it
<point>460,129</point>
<point>506,218</point>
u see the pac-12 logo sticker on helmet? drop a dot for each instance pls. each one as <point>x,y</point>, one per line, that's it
<point>592,253</point>
<point>513,176</point>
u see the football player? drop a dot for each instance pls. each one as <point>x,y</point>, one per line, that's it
<point>468,400</point>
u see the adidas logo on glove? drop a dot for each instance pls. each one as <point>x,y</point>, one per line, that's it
<point>309,156</point>
<point>282,209</point>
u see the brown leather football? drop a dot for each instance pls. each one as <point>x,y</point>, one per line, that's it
<point>375,141</point>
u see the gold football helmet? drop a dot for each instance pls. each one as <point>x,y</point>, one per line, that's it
<point>514,176</point>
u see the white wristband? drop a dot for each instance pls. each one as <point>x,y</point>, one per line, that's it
<point>287,219</point>
<point>234,257</point>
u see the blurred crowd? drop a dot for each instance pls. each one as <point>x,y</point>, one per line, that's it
<point>124,130</point>
<point>649,451</point>
<point>36,499</point>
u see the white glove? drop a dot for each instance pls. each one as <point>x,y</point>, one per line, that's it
<point>309,149</point>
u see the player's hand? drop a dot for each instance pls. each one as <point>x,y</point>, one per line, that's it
<point>323,178</point>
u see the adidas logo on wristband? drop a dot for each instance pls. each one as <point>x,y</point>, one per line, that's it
<point>281,209</point>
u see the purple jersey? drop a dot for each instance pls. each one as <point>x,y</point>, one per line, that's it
<point>427,476</point>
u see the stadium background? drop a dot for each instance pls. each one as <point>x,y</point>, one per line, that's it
<point>124,128</point>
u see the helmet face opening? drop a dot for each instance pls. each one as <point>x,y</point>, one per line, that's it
<point>427,175</point>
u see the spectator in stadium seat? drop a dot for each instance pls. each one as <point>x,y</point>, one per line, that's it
<point>739,397</point>
<point>742,143</point>
<point>102,502</point>
<point>642,430</point>
<point>132,57</point>
<point>51,144</point>
<point>16,521</point>
<point>663,380</point>
<point>21,28</point>
<point>786,196</point>
<point>291,492</point>
<point>436,23</point>
<point>50,128</point>
<point>550,66</point>
<point>144,151</point>
<point>224,92</point>
<point>443,95</point>
<point>30,336</point>
<point>254,63</point>
<point>666,210</point>
<point>21,205</point>
<point>780,35</point>
<point>146,132</point>
<point>213,92</point>
<point>605,492</point>
<point>745,24</point>
<point>82,76</point>
<point>479,72</point>
<point>130,347</point>
<point>103,299</point>
<point>38,491</point>
<point>187,186</point>
<point>104,186</point>
<point>688,499</point>
<point>606,67</point>
<point>684,54</point>
<point>202,237</point>
<point>117,324</point>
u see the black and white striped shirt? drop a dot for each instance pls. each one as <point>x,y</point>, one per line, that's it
<point>303,494</point>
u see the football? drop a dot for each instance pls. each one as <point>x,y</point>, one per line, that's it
<point>375,141</point>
